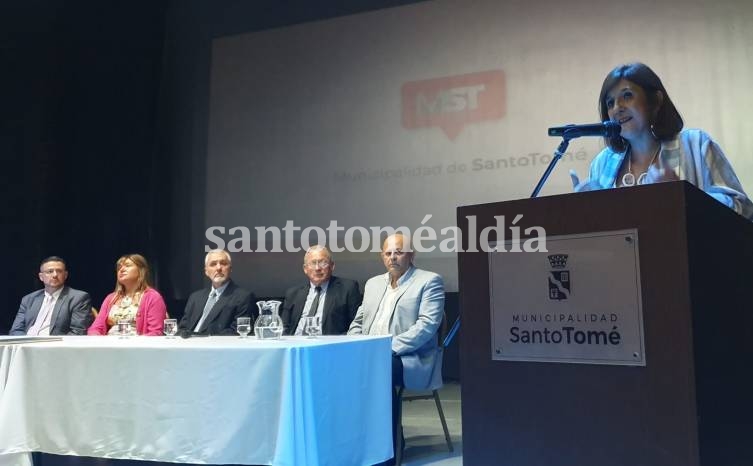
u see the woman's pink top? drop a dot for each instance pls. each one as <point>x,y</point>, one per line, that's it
<point>149,318</point>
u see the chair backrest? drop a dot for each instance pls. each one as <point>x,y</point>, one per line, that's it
<point>450,335</point>
<point>442,330</point>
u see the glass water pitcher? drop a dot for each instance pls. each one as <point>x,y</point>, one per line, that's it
<point>269,324</point>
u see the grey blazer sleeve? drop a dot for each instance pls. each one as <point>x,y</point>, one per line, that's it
<point>19,323</point>
<point>356,326</point>
<point>373,291</point>
<point>81,313</point>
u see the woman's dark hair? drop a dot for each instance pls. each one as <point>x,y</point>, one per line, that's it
<point>668,121</point>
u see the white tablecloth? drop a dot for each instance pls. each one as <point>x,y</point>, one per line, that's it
<point>295,401</point>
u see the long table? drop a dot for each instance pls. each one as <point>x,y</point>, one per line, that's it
<point>216,400</point>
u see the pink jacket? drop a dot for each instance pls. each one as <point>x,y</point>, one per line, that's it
<point>149,318</point>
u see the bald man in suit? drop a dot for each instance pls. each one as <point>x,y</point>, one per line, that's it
<point>407,303</point>
<point>56,309</point>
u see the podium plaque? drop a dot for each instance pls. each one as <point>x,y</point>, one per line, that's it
<point>577,302</point>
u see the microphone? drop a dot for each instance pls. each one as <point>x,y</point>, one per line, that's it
<point>607,129</point>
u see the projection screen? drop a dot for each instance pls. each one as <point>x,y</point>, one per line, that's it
<point>397,117</point>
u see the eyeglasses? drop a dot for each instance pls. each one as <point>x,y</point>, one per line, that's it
<point>52,271</point>
<point>320,263</point>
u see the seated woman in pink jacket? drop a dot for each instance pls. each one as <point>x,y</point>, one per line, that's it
<point>133,299</point>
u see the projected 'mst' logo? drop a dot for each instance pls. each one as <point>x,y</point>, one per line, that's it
<point>454,101</point>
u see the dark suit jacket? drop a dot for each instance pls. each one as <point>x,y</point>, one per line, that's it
<point>72,314</point>
<point>234,302</point>
<point>340,305</point>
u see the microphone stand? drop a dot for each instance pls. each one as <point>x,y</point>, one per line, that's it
<point>557,156</point>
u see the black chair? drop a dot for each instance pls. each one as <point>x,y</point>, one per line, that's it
<point>404,395</point>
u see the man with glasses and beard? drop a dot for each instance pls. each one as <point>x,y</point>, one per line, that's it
<point>55,310</point>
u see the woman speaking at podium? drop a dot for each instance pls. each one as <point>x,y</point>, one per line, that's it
<point>652,147</point>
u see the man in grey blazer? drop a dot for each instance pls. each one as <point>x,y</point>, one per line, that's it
<point>407,303</point>
<point>55,310</point>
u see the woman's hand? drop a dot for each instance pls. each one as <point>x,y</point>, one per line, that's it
<point>587,185</point>
<point>660,174</point>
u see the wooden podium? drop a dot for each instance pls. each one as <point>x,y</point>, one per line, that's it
<point>691,404</point>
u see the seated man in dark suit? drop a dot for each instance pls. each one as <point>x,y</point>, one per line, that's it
<point>214,310</point>
<point>55,310</point>
<point>334,299</point>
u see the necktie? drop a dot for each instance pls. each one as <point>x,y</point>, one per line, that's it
<point>315,305</point>
<point>42,317</point>
<point>207,307</point>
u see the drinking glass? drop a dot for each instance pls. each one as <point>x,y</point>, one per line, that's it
<point>313,326</point>
<point>243,326</point>
<point>170,327</point>
<point>124,328</point>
